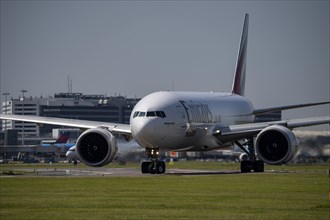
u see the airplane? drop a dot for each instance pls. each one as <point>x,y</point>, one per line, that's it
<point>72,155</point>
<point>62,141</point>
<point>192,121</point>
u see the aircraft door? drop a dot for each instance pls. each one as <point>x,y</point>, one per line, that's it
<point>181,112</point>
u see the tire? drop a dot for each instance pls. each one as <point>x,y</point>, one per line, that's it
<point>160,167</point>
<point>145,167</point>
<point>246,166</point>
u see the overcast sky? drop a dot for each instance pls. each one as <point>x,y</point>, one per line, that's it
<point>134,48</point>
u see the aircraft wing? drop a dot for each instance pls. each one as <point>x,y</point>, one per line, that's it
<point>113,127</point>
<point>268,110</point>
<point>252,129</point>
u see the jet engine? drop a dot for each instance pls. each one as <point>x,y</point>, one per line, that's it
<point>96,147</point>
<point>276,145</point>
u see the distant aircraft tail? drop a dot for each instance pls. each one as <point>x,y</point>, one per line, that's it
<point>239,78</point>
<point>63,138</point>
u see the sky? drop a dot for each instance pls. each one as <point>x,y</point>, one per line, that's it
<point>134,48</point>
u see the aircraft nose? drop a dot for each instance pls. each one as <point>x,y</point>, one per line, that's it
<point>143,131</point>
<point>68,153</point>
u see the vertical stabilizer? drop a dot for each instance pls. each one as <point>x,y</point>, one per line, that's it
<point>63,138</point>
<point>239,78</point>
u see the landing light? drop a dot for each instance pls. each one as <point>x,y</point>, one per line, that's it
<point>153,152</point>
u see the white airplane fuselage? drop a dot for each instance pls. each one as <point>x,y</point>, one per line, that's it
<point>185,121</point>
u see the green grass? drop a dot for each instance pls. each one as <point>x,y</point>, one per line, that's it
<point>298,195</point>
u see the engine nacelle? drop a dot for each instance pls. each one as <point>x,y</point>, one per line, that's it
<point>96,147</point>
<point>276,145</point>
<point>243,157</point>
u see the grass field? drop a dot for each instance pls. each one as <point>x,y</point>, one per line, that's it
<point>301,194</point>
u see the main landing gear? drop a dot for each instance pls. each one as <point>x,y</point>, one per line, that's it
<point>251,163</point>
<point>154,165</point>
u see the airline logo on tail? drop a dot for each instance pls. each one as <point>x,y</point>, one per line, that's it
<point>63,138</point>
<point>239,78</point>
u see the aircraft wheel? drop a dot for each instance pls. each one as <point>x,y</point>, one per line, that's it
<point>160,167</point>
<point>145,167</point>
<point>246,166</point>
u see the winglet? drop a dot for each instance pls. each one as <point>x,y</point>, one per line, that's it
<point>239,78</point>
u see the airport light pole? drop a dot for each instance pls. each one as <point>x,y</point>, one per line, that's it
<point>23,91</point>
<point>6,94</point>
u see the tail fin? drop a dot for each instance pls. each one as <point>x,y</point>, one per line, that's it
<point>63,138</point>
<point>239,78</point>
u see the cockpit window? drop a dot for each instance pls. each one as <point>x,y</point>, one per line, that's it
<point>142,114</point>
<point>159,114</point>
<point>136,114</point>
<point>151,114</point>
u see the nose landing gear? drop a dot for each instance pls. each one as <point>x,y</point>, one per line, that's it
<point>153,166</point>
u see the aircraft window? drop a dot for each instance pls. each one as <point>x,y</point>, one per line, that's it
<point>160,114</point>
<point>136,114</point>
<point>151,114</point>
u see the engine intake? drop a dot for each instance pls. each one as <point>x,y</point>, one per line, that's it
<point>276,145</point>
<point>96,147</point>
